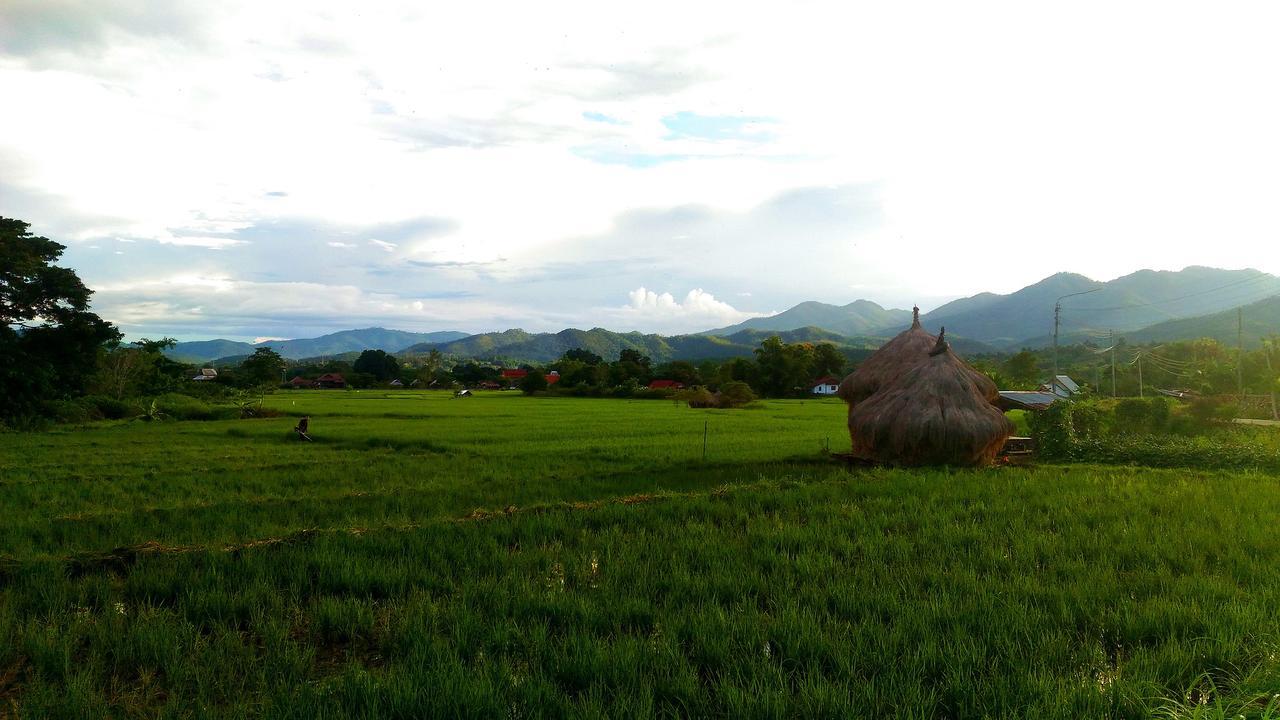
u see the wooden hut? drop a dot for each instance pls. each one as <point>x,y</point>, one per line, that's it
<point>939,412</point>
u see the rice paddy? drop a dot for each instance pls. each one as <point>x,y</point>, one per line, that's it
<point>505,556</point>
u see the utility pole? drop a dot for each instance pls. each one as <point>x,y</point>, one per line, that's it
<point>1267,347</point>
<point>1057,313</point>
<point>1240,352</point>
<point>1113,363</point>
<point>1141,392</point>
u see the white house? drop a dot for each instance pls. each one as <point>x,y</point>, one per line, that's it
<point>825,386</point>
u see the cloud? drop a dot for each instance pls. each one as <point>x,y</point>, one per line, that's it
<point>40,28</point>
<point>337,244</point>
<point>383,245</point>
<point>211,243</point>
<point>648,310</point>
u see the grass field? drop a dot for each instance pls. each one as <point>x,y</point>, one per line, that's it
<point>504,556</point>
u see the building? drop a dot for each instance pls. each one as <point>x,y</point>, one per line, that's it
<point>331,381</point>
<point>514,375</point>
<point>301,382</point>
<point>396,383</point>
<point>825,385</point>
<point>666,385</point>
<point>206,374</point>
<point>1062,386</point>
<point>1026,399</point>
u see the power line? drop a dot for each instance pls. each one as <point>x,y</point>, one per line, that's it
<point>1252,278</point>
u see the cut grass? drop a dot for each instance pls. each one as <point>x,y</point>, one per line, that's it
<point>550,557</point>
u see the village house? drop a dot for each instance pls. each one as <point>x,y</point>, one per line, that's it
<point>666,385</point>
<point>331,381</point>
<point>825,385</point>
<point>206,374</point>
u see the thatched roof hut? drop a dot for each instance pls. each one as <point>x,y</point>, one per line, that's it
<point>940,412</point>
<point>894,358</point>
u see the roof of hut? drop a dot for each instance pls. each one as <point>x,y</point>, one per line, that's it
<point>940,412</point>
<point>893,358</point>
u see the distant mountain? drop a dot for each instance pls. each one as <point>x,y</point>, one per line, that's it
<point>356,340</point>
<point>205,350</point>
<point>857,318</point>
<point>1147,297</point>
<point>520,346</point>
<point>325,345</point>
<point>1261,319</point>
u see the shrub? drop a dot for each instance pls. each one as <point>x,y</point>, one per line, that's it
<point>1053,432</point>
<point>111,408</point>
<point>736,394</point>
<point>70,411</point>
<point>699,397</point>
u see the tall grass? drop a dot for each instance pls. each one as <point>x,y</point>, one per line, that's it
<point>526,557</point>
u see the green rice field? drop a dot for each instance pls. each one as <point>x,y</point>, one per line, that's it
<point>520,557</point>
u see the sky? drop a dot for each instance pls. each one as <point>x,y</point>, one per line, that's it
<point>284,169</point>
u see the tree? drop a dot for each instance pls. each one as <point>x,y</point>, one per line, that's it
<point>583,356</point>
<point>784,369</point>
<point>681,371</point>
<point>49,341</point>
<point>263,367</point>
<point>140,368</point>
<point>379,364</point>
<point>634,356</point>
<point>1023,369</point>
<point>827,360</point>
<point>533,382</point>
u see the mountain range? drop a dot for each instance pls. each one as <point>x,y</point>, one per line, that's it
<point>1145,306</point>
<point>324,346</point>
<point>860,317</point>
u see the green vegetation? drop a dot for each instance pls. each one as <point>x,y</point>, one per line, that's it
<point>515,556</point>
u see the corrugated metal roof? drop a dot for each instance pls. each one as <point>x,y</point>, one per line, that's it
<point>1026,399</point>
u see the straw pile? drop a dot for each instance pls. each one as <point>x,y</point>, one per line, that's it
<point>939,412</point>
<point>894,358</point>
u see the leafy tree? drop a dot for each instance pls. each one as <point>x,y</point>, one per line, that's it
<point>473,373</point>
<point>784,369</point>
<point>140,368</point>
<point>679,370</point>
<point>534,382</point>
<point>583,356</point>
<point>1023,370</point>
<point>827,360</point>
<point>49,341</point>
<point>379,364</point>
<point>629,355</point>
<point>263,367</point>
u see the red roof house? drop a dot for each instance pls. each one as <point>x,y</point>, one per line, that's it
<point>301,382</point>
<point>666,385</point>
<point>516,374</point>
<point>331,380</point>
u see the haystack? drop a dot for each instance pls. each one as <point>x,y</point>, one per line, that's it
<point>940,412</point>
<point>910,347</point>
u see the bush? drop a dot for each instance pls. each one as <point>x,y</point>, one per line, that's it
<point>70,412</point>
<point>111,408</point>
<point>1053,432</point>
<point>736,394</point>
<point>699,397</point>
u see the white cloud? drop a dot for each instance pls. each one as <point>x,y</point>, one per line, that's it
<point>698,310</point>
<point>985,129</point>
<point>212,243</point>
